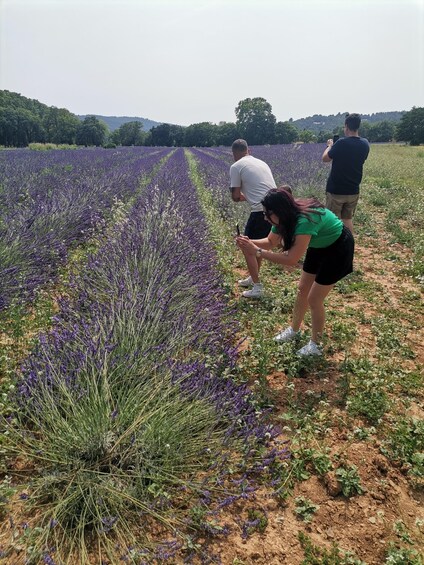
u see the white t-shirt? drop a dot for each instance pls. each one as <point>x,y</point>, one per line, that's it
<point>254,178</point>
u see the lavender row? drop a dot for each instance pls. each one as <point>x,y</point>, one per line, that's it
<point>299,165</point>
<point>213,168</point>
<point>149,302</point>
<point>50,201</point>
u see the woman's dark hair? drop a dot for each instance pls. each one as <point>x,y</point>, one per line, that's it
<point>286,187</point>
<point>288,209</point>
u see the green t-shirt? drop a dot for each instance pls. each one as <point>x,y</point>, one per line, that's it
<point>324,228</point>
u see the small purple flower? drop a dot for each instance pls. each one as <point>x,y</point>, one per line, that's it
<point>108,523</point>
<point>248,527</point>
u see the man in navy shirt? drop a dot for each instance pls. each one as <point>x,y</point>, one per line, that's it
<point>347,156</point>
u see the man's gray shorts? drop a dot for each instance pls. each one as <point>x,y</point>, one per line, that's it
<point>343,205</point>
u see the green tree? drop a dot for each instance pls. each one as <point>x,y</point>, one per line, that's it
<point>23,120</point>
<point>364,130</point>
<point>160,136</point>
<point>60,125</point>
<point>202,134</point>
<point>165,135</point>
<point>255,121</point>
<point>411,127</point>
<point>13,100</point>
<point>19,127</point>
<point>382,131</point>
<point>307,136</point>
<point>285,132</point>
<point>226,133</point>
<point>130,133</point>
<point>91,132</point>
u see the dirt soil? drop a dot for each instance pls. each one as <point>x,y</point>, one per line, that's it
<point>362,524</point>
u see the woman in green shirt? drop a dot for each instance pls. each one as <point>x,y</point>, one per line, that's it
<point>299,226</point>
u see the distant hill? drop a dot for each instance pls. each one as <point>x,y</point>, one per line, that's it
<point>318,122</point>
<point>14,100</point>
<point>114,122</point>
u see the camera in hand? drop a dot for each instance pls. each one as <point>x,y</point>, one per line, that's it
<point>335,138</point>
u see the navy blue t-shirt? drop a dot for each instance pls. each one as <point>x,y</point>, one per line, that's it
<point>348,155</point>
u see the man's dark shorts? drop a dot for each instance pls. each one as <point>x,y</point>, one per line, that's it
<point>257,227</point>
<point>331,264</point>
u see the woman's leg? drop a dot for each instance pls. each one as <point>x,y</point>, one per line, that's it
<point>318,293</point>
<point>301,304</point>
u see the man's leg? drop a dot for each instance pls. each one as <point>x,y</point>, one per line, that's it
<point>333,203</point>
<point>256,228</point>
<point>348,210</point>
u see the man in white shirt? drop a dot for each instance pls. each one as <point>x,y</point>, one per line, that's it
<point>251,179</point>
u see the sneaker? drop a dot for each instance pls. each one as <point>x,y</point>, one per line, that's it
<point>310,348</point>
<point>246,282</point>
<point>256,291</point>
<point>286,335</point>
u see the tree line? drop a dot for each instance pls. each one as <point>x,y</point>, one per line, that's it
<point>319,122</point>
<point>24,121</point>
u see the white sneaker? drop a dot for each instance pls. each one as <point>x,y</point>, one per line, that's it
<point>256,291</point>
<point>246,282</point>
<point>286,335</point>
<point>310,348</point>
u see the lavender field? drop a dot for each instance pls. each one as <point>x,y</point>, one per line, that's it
<point>123,404</point>
<point>134,416</point>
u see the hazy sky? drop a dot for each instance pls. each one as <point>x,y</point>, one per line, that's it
<point>189,61</point>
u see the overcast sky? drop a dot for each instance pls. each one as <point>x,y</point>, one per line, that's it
<point>189,61</point>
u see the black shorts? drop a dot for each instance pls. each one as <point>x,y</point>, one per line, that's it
<point>257,227</point>
<point>331,264</point>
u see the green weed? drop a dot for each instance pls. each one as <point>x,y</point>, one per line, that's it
<point>315,555</point>
<point>405,443</point>
<point>355,283</point>
<point>367,394</point>
<point>349,480</point>
<point>6,493</point>
<point>402,556</point>
<point>305,508</point>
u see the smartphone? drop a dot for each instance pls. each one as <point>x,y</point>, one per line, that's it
<point>335,138</point>
<point>238,229</point>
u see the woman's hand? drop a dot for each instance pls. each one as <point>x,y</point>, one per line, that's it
<point>246,245</point>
